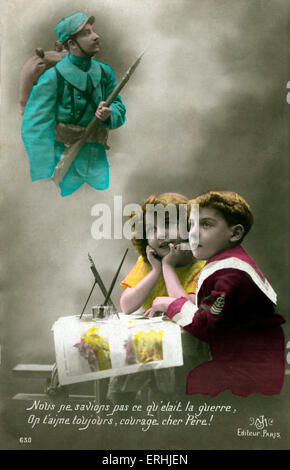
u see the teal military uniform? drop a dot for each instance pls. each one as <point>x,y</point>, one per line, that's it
<point>45,108</point>
<point>70,93</point>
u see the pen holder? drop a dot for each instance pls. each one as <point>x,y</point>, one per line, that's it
<point>101,312</point>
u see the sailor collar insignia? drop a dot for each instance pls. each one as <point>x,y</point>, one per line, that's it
<point>218,305</point>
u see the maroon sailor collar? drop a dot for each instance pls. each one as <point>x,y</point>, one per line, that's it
<point>236,258</point>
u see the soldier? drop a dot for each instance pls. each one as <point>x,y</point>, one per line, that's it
<point>64,101</point>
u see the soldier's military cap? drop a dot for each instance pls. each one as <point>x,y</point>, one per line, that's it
<point>72,24</point>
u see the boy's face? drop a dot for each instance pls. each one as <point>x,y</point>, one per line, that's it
<point>215,235</point>
<point>88,40</point>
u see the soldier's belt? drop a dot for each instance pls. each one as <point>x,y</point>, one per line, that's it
<point>71,133</point>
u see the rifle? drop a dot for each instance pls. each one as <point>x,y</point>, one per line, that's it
<point>71,151</point>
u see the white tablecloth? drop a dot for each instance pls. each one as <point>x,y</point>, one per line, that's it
<point>73,368</point>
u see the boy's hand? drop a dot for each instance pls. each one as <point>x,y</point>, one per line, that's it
<point>103,112</point>
<point>160,304</point>
<point>173,257</point>
<point>152,258</point>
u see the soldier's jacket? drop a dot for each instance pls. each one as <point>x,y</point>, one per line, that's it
<point>48,105</point>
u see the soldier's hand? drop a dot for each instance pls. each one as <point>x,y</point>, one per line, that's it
<point>103,112</point>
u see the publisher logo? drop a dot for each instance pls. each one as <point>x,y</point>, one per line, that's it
<point>260,426</point>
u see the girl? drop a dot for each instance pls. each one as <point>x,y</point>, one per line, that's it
<point>162,269</point>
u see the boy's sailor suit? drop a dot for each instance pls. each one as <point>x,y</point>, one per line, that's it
<point>234,312</point>
<point>69,93</point>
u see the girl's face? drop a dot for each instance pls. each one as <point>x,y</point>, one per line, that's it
<point>160,235</point>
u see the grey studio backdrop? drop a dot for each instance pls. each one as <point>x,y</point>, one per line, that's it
<point>206,109</point>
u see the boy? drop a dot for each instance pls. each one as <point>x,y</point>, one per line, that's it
<point>63,103</point>
<point>234,306</point>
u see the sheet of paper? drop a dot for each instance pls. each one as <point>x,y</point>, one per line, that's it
<point>74,368</point>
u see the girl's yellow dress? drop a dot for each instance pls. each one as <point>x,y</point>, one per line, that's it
<point>187,276</point>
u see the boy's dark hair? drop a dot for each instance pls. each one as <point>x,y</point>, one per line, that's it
<point>234,209</point>
<point>140,244</point>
